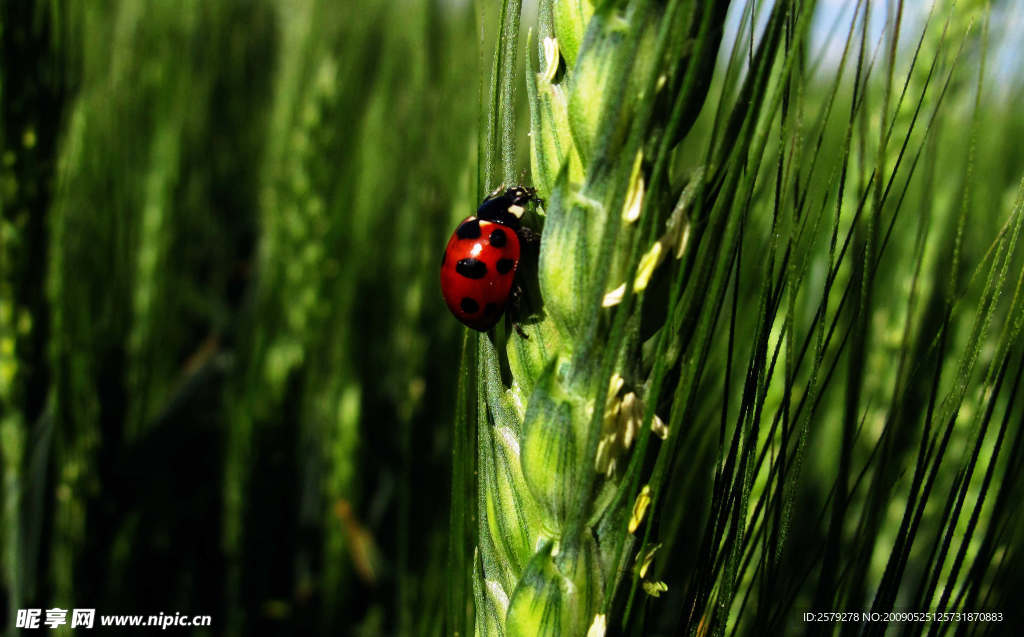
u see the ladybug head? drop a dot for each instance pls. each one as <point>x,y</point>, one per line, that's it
<point>506,206</point>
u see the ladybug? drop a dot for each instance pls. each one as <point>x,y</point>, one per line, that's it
<point>478,268</point>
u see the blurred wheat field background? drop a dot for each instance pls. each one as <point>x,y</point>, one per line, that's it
<point>229,384</point>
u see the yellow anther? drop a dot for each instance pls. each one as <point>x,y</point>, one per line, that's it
<point>635,195</point>
<point>640,508</point>
<point>614,297</point>
<point>598,627</point>
<point>648,264</point>
<point>659,427</point>
<point>648,559</point>
<point>551,59</point>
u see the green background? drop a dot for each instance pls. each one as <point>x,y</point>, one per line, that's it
<point>227,378</point>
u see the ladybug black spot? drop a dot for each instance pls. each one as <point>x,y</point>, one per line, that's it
<point>505,265</point>
<point>469,230</point>
<point>498,238</point>
<point>469,306</point>
<point>474,268</point>
<point>490,309</point>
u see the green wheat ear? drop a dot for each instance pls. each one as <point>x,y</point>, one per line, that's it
<point>606,86</point>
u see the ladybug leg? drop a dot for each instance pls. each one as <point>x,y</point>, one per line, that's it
<point>531,195</point>
<point>529,236</point>
<point>520,332</point>
<point>516,302</point>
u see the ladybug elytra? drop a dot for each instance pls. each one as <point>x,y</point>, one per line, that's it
<point>478,268</point>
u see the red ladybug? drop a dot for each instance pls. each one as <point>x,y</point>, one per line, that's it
<point>478,269</point>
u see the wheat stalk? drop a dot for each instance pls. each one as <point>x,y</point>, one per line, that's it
<point>613,88</point>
